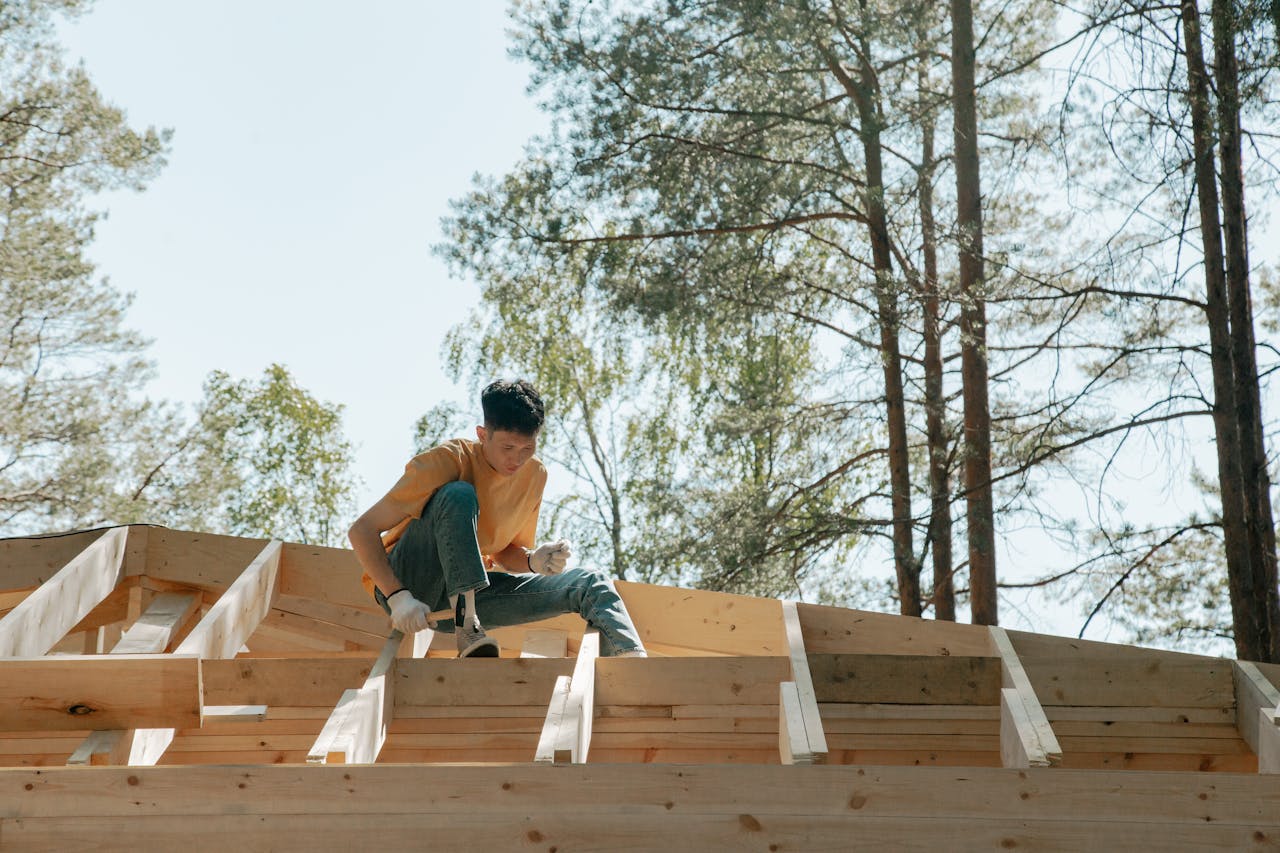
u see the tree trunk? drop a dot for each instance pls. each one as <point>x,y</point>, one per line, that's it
<point>973,323</point>
<point>944,594</point>
<point>864,94</point>
<point>1256,481</point>
<point>1234,506</point>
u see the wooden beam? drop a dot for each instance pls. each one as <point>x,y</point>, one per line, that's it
<point>574,741</point>
<point>1254,691</point>
<point>700,619</point>
<point>1073,672</point>
<point>1019,745</point>
<point>906,679</point>
<point>232,620</point>
<point>220,634</point>
<point>1025,732</point>
<point>417,645</point>
<point>544,643</point>
<point>816,751</point>
<point>155,630</point>
<point>357,727</point>
<point>510,681</point>
<point>793,746</point>
<point>100,749</point>
<point>36,624</point>
<point>152,633</point>
<point>557,708</point>
<point>1256,714</point>
<point>1269,740</point>
<point>839,630</point>
<point>78,692</point>
<point>649,806</point>
<point>234,714</point>
<point>691,681</point>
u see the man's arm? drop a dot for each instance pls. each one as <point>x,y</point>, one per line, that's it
<point>366,540</point>
<point>513,558</point>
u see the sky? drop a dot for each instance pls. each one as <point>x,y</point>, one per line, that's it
<point>316,147</point>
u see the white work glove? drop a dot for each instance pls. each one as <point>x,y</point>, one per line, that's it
<point>550,558</point>
<point>408,614</point>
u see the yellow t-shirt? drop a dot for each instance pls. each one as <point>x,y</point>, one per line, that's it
<point>508,504</point>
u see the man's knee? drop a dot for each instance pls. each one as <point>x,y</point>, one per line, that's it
<point>457,496</point>
<point>594,581</point>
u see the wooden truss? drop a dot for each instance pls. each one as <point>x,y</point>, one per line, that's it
<point>157,684</point>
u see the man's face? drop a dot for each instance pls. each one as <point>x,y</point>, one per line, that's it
<point>506,451</point>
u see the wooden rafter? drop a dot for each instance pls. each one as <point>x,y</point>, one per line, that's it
<point>152,633</point>
<point>574,739</point>
<point>1026,736</point>
<point>219,635</point>
<point>357,727</point>
<point>809,728</point>
<point>1258,714</point>
<point>36,624</point>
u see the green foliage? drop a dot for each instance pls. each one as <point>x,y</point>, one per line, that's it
<point>70,372</point>
<point>287,455</point>
<point>703,196</point>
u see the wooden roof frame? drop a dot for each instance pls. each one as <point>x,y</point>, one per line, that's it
<point>251,670</point>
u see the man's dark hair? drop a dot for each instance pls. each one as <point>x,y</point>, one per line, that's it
<point>512,406</point>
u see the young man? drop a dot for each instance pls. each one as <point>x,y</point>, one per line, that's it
<point>465,506</point>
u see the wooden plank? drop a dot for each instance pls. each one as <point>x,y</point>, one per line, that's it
<point>220,634</point>
<point>35,625</point>
<point>230,622</point>
<point>1194,716</point>
<point>643,796</point>
<point>337,636</point>
<point>690,681</point>
<point>1019,746</point>
<point>1207,763</point>
<point>906,679</point>
<point>331,575</point>
<point>557,709</point>
<point>562,830</point>
<point>214,714</point>
<point>544,643</point>
<point>1253,692</point>
<point>574,741</point>
<point>715,621</point>
<point>369,620</point>
<point>101,748</point>
<point>1032,739</point>
<point>78,692</point>
<point>509,681</point>
<point>155,629</point>
<point>793,746</point>
<point>1082,672</point>
<point>416,645</point>
<point>357,729</point>
<point>30,561</point>
<point>152,633</point>
<point>816,751</point>
<point>297,682</point>
<point>206,561</point>
<point>1268,741</point>
<point>878,711</point>
<point>837,630</point>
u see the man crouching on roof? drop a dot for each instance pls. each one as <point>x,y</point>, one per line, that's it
<point>465,506</point>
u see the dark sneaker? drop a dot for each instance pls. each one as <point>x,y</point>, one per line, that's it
<point>473,643</point>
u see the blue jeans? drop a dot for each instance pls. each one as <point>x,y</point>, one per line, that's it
<point>437,557</point>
